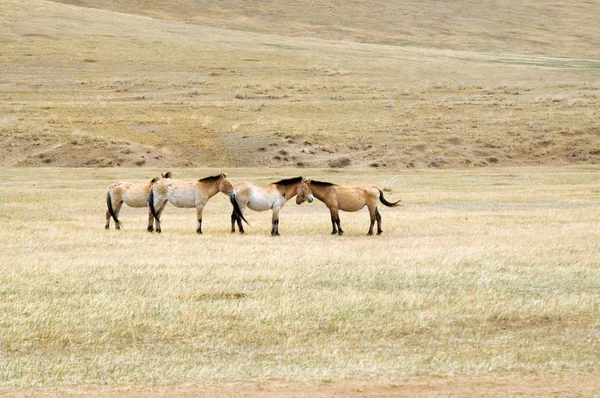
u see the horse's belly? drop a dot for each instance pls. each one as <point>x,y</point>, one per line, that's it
<point>350,201</point>
<point>352,207</point>
<point>260,204</point>
<point>136,201</point>
<point>182,200</point>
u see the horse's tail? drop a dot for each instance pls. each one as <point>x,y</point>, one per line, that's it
<point>151,204</point>
<point>236,207</point>
<point>110,208</point>
<point>385,202</point>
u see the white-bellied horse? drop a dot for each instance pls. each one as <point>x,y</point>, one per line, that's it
<point>188,194</point>
<point>133,195</point>
<point>269,197</point>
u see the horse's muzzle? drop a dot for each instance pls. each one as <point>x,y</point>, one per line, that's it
<point>310,198</point>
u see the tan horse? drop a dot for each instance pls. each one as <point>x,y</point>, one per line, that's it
<point>188,194</point>
<point>340,197</point>
<point>133,195</point>
<point>272,196</point>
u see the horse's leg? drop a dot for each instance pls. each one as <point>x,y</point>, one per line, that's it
<point>336,215</point>
<point>275,222</point>
<point>372,215</point>
<point>199,210</point>
<point>233,220</point>
<point>378,218</point>
<point>158,214</point>
<point>108,216</point>
<point>239,223</point>
<point>333,222</point>
<point>150,220</point>
<point>117,210</point>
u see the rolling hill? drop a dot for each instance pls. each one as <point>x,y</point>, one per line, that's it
<point>90,83</point>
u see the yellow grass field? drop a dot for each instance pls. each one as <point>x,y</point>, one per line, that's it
<point>482,117</point>
<point>485,282</point>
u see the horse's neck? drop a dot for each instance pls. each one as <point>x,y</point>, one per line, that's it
<point>211,189</point>
<point>319,192</point>
<point>289,191</point>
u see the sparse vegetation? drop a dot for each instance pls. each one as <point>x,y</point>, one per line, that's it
<point>488,275</point>
<point>482,275</point>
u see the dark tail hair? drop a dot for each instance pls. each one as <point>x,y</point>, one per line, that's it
<point>237,209</point>
<point>385,202</point>
<point>151,204</point>
<point>110,208</point>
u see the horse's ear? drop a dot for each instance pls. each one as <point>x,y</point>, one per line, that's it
<point>224,175</point>
<point>167,175</point>
<point>307,180</point>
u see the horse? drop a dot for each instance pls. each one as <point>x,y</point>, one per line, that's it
<point>133,195</point>
<point>189,194</point>
<point>272,196</point>
<point>339,197</point>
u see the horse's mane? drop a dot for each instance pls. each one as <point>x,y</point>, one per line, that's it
<point>210,179</point>
<point>321,183</point>
<point>288,181</point>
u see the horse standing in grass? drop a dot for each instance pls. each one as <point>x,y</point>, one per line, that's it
<point>188,194</point>
<point>133,195</point>
<point>339,197</point>
<point>272,196</point>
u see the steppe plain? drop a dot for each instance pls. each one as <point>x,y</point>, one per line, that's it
<point>483,118</point>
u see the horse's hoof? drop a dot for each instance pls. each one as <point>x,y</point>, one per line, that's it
<point>379,232</point>
<point>158,231</point>
<point>150,229</point>
<point>340,233</point>
<point>106,227</point>
<point>370,234</point>
<point>199,232</point>
<point>117,227</point>
<point>333,232</point>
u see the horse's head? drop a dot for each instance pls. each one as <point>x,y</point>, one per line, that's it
<point>225,186</point>
<point>304,193</point>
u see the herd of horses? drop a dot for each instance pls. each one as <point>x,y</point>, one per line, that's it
<point>156,193</point>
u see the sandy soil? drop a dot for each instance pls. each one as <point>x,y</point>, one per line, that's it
<point>584,385</point>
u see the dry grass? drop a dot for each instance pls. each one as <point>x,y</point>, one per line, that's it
<point>483,273</point>
<point>396,85</point>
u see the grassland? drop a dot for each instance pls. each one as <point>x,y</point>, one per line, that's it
<point>487,274</point>
<point>486,283</point>
<point>393,85</point>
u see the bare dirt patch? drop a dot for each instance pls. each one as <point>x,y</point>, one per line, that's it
<point>524,386</point>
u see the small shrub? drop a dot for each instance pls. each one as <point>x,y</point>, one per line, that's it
<point>339,162</point>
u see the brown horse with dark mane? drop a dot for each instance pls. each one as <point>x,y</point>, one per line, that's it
<point>340,197</point>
